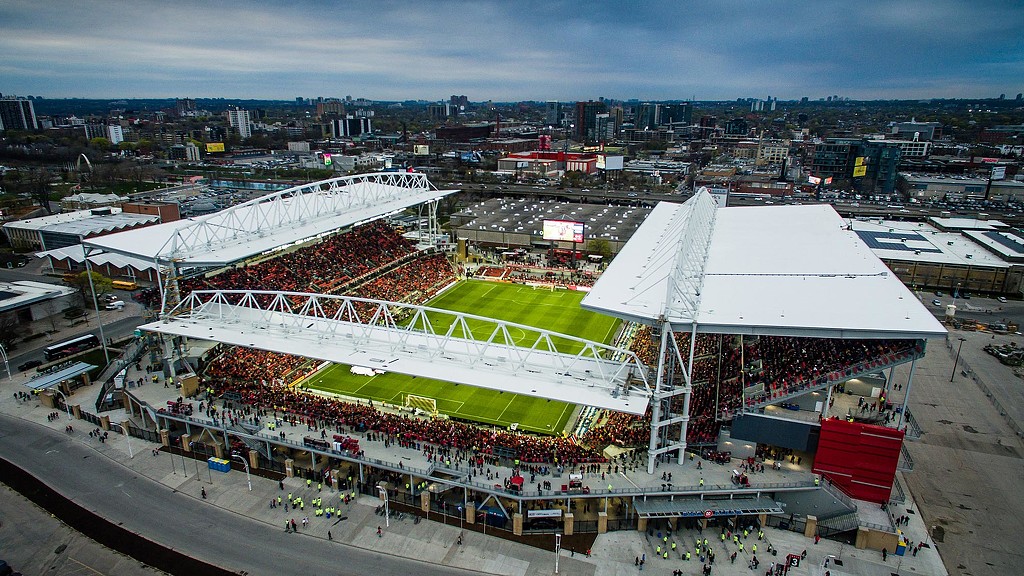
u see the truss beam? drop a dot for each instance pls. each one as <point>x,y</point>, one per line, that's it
<point>419,341</point>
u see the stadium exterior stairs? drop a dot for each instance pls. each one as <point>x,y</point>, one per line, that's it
<point>823,382</point>
<point>253,444</point>
<point>837,524</point>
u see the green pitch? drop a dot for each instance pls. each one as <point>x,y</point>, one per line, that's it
<point>558,311</point>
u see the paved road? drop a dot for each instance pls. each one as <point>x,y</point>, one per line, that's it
<point>214,535</point>
<point>30,538</point>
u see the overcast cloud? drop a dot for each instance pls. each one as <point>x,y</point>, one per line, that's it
<point>511,50</point>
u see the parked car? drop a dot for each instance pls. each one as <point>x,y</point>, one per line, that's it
<point>29,365</point>
<point>936,302</point>
<point>1002,299</point>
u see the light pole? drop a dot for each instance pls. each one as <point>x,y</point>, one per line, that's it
<point>67,405</point>
<point>127,438</point>
<point>384,496</point>
<point>961,339</point>
<point>558,547</point>
<point>3,354</point>
<point>246,464</point>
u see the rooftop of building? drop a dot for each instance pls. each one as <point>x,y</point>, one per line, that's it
<point>21,293</point>
<point>527,216</point>
<point>921,242</point>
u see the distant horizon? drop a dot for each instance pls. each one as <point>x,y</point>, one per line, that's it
<point>657,50</point>
<point>811,100</point>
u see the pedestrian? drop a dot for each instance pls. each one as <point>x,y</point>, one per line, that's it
<point>203,492</point>
<point>637,561</point>
<point>329,537</point>
<point>817,538</point>
<point>885,554</point>
<point>379,533</point>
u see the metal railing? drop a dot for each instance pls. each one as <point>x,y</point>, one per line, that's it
<point>913,428</point>
<point>899,495</point>
<point>906,461</point>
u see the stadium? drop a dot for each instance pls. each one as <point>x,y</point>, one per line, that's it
<point>694,381</point>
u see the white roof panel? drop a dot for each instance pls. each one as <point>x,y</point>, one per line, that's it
<point>274,220</point>
<point>779,270</point>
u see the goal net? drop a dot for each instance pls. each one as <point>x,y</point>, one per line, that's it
<point>428,405</point>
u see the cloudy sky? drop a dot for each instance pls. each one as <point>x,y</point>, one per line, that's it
<point>512,49</point>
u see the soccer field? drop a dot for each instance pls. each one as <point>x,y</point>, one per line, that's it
<point>558,311</point>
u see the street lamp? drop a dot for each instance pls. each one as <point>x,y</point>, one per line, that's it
<point>246,464</point>
<point>127,438</point>
<point>67,405</point>
<point>951,376</point>
<point>558,547</point>
<point>384,497</point>
<point>3,354</point>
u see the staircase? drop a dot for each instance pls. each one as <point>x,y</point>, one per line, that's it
<point>837,524</point>
<point>244,431</point>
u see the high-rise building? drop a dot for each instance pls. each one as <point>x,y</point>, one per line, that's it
<point>350,126</point>
<point>441,111</point>
<point>870,165</point>
<point>586,120</point>
<point>115,134</point>
<point>17,114</point>
<point>239,119</point>
<point>647,116</point>
<point>185,107</point>
<point>552,113</point>
<point>330,107</point>
<point>681,113</point>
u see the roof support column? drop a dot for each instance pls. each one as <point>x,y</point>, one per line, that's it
<point>658,397</point>
<point>685,419</point>
<point>95,302</point>
<point>906,396</point>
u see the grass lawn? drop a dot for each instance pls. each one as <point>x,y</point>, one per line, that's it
<point>558,311</point>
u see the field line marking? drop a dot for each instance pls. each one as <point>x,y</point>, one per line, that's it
<point>559,419</point>
<point>514,396</point>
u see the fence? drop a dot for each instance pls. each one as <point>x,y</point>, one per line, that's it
<point>142,433</point>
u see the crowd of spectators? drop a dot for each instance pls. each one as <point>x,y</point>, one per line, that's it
<point>323,267</point>
<point>726,364</point>
<point>259,385</point>
<point>785,365</point>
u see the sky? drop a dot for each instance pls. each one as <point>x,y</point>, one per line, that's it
<point>512,50</point>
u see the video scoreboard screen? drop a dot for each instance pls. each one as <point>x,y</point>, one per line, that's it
<point>563,230</point>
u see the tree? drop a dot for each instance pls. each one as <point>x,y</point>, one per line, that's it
<point>100,143</point>
<point>600,246</point>
<point>102,284</point>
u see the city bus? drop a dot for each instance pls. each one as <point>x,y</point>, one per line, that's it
<point>124,285</point>
<point>69,347</point>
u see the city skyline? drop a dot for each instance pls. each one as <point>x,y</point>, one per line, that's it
<point>511,51</point>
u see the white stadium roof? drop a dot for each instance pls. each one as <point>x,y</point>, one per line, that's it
<point>272,221</point>
<point>772,270</point>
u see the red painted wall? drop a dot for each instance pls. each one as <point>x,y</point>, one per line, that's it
<point>859,458</point>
